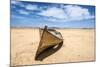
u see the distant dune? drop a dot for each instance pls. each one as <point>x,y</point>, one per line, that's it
<point>78,46</point>
<point>50,27</point>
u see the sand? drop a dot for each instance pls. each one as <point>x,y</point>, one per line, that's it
<point>78,46</point>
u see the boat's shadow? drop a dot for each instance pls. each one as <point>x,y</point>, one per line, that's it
<point>49,51</point>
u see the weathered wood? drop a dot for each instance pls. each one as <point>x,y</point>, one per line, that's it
<point>48,38</point>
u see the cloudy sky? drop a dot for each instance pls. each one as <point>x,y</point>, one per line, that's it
<point>36,14</point>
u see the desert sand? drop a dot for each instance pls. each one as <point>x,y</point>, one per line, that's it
<point>78,46</point>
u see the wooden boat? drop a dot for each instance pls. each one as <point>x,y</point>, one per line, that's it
<point>48,38</point>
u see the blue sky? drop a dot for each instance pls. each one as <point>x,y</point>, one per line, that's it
<point>36,14</point>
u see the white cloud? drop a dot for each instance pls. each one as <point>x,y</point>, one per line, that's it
<point>17,3</point>
<point>31,7</point>
<point>13,2</point>
<point>76,12</point>
<point>54,12</point>
<point>18,17</point>
<point>24,12</point>
<point>67,13</point>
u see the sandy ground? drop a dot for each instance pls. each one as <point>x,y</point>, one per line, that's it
<point>78,46</point>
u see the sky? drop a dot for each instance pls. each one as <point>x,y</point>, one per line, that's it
<point>39,14</point>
